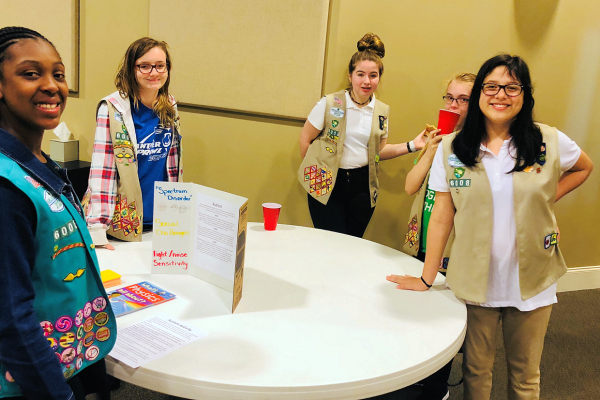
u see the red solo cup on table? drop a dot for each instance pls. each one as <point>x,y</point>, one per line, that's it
<point>271,215</point>
<point>447,121</point>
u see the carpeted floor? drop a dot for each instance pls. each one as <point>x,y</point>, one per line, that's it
<point>570,362</point>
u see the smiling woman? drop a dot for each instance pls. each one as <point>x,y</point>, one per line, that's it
<point>137,143</point>
<point>43,291</point>
<point>342,142</point>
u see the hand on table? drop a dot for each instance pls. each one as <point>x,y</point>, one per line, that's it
<point>407,282</point>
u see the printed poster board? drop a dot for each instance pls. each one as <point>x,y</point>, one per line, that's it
<point>200,231</point>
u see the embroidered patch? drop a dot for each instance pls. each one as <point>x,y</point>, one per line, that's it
<point>550,240</point>
<point>460,183</point>
<point>92,353</point>
<point>333,135</point>
<point>65,231</point>
<point>47,327</point>
<point>35,183</point>
<point>336,100</point>
<point>330,150</point>
<point>459,172</point>
<point>335,123</point>
<point>538,170</point>
<point>320,181</point>
<point>118,117</point>
<point>126,217</point>
<point>330,141</point>
<point>66,340</point>
<point>64,323</point>
<point>68,355</point>
<point>55,204</point>
<point>72,276</point>
<point>68,371</point>
<point>57,251</point>
<point>412,235</point>
<point>103,334</point>
<point>542,158</point>
<point>337,112</point>
<point>444,263</point>
<point>528,169</point>
<point>376,158</point>
<point>454,162</point>
<point>382,122</point>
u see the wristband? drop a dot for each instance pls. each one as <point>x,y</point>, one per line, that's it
<point>409,147</point>
<point>412,146</point>
<point>426,284</point>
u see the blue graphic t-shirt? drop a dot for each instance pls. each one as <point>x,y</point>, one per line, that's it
<point>154,142</point>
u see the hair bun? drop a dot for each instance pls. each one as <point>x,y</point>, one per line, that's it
<point>373,43</point>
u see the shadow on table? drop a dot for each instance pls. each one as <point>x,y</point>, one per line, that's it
<point>264,292</point>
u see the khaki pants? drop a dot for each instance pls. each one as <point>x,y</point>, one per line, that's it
<point>523,333</point>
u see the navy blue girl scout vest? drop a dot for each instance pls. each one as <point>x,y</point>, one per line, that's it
<point>70,300</point>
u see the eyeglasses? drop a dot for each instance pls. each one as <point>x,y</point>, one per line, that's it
<point>492,89</point>
<point>147,68</point>
<point>461,101</point>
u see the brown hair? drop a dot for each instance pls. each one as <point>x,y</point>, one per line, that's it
<point>127,85</point>
<point>370,48</point>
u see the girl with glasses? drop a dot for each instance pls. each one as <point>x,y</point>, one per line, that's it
<point>458,92</point>
<point>137,143</point>
<point>496,183</point>
<point>50,287</point>
<point>342,143</point>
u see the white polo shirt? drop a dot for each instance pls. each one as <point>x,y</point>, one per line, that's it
<point>503,281</point>
<point>355,153</point>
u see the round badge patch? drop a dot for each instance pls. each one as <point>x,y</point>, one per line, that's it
<point>68,371</point>
<point>87,310</point>
<point>67,339</point>
<point>103,334</point>
<point>80,347</point>
<point>64,324</point>
<point>101,319</point>
<point>80,332</point>
<point>53,343</point>
<point>47,327</point>
<point>92,353</point>
<point>99,304</point>
<point>68,355</point>
<point>9,377</point>
<point>88,339</point>
<point>79,318</point>
<point>79,361</point>
<point>88,324</point>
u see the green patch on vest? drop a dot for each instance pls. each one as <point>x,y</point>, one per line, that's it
<point>460,183</point>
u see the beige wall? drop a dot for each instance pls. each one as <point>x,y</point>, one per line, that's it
<point>426,42</point>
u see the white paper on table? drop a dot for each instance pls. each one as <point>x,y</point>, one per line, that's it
<point>153,338</point>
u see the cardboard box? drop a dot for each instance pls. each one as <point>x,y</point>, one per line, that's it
<point>64,151</point>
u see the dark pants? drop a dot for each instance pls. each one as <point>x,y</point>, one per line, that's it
<point>348,209</point>
<point>93,379</point>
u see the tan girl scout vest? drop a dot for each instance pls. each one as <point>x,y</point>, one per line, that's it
<point>540,260</point>
<point>412,239</point>
<point>127,222</point>
<point>318,170</point>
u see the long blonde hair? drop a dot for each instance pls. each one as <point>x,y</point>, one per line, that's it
<point>126,81</point>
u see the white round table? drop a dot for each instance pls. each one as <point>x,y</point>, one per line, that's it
<point>317,320</point>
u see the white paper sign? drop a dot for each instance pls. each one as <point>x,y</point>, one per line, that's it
<point>202,232</point>
<point>153,338</point>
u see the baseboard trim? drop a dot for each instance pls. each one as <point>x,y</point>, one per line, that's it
<point>581,278</point>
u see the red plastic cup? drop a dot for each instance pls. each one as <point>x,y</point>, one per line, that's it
<point>447,121</point>
<point>271,215</point>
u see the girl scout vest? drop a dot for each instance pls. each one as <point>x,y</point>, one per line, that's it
<point>127,221</point>
<point>540,260</point>
<point>318,171</point>
<point>70,301</point>
<point>412,239</point>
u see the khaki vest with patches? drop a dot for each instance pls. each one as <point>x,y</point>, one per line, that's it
<point>319,169</point>
<point>540,259</point>
<point>127,221</point>
<point>412,239</point>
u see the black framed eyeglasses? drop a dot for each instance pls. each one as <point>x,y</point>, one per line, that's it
<point>147,68</point>
<point>492,89</point>
<point>461,101</point>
